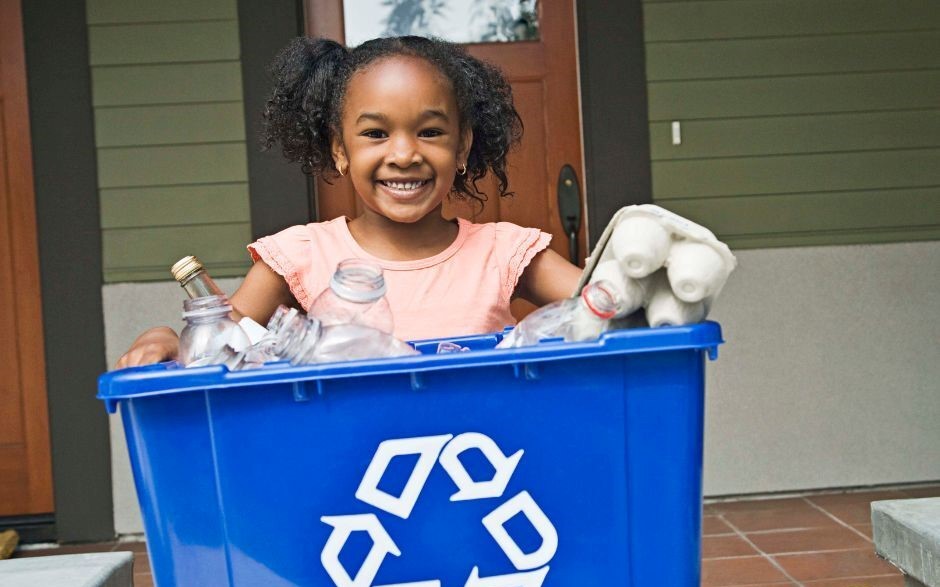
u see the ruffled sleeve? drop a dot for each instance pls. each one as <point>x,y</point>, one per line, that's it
<point>517,246</point>
<point>289,253</point>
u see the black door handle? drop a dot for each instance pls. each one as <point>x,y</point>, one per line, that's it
<point>569,208</point>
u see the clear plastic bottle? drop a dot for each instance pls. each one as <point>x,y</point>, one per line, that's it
<point>209,330</point>
<point>303,339</point>
<point>293,335</point>
<point>575,319</point>
<point>351,342</point>
<point>356,296</point>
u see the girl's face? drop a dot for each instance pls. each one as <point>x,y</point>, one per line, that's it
<point>401,142</point>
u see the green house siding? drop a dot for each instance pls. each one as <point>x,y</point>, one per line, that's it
<point>170,136</point>
<point>802,122</point>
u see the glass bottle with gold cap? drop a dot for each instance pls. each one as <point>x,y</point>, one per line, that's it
<point>194,279</point>
<point>211,335</point>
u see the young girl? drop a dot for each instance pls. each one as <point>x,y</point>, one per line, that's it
<point>409,121</point>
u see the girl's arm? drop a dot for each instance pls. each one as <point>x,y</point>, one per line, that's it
<point>548,278</point>
<point>259,295</point>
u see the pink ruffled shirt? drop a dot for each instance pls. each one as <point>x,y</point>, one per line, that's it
<point>465,289</point>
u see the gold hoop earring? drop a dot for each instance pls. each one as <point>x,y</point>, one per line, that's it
<point>462,171</point>
<point>341,170</point>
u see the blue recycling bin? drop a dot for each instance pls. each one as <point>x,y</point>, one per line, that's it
<point>562,464</point>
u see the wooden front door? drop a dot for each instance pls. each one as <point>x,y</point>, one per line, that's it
<point>543,74</point>
<point>25,464</point>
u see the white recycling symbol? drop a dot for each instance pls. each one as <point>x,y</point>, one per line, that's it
<point>444,449</point>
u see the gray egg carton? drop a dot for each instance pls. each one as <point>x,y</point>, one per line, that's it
<point>667,269</point>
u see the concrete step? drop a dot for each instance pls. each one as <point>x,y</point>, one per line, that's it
<point>907,533</point>
<point>100,569</point>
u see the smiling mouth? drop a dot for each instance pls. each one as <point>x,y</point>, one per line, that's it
<point>404,185</point>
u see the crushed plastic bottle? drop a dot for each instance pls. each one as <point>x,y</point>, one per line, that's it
<point>446,347</point>
<point>293,335</point>
<point>303,339</point>
<point>356,295</point>
<point>575,319</point>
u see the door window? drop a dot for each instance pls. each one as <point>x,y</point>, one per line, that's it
<point>459,21</point>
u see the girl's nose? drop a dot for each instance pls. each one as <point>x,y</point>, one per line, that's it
<point>403,152</point>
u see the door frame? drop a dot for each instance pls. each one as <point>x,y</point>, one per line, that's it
<point>614,109</point>
<point>615,142</point>
<point>66,190</point>
<point>279,195</point>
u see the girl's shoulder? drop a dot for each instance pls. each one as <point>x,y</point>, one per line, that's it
<point>504,235</point>
<point>512,246</point>
<point>314,229</point>
<point>302,235</point>
<point>509,246</point>
<point>304,254</point>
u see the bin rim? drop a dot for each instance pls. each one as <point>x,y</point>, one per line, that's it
<point>171,378</point>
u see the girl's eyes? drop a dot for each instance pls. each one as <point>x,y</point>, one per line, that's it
<point>375,133</point>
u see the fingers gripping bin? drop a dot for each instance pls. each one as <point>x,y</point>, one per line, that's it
<point>560,464</point>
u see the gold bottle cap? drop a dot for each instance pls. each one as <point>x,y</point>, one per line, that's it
<point>185,268</point>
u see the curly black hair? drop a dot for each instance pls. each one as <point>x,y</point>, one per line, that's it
<point>310,80</point>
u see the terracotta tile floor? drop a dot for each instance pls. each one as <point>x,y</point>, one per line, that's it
<point>821,540</point>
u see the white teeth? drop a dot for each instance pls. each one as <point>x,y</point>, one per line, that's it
<point>404,185</point>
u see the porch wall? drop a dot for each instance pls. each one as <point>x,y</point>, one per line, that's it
<point>830,373</point>
<point>828,378</point>
<point>170,135</point>
<point>802,123</point>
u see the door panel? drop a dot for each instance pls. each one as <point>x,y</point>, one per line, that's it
<point>25,464</point>
<point>543,74</point>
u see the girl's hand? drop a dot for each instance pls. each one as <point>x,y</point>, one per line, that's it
<point>153,346</point>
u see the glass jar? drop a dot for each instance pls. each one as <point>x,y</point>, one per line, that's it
<point>209,329</point>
